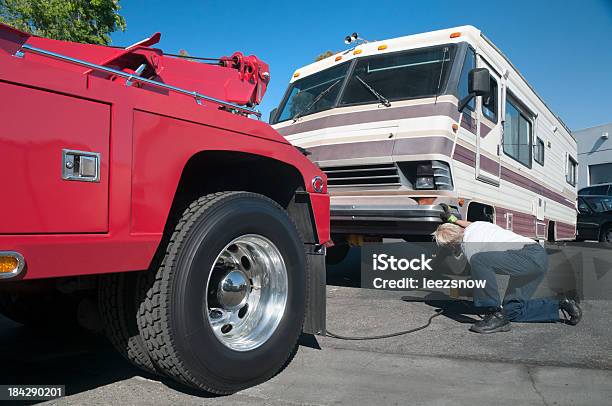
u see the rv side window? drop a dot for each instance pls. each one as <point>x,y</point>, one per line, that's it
<point>571,171</point>
<point>489,104</point>
<point>517,133</point>
<point>539,151</point>
<point>462,87</point>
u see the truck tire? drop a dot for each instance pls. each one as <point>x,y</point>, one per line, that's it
<point>117,301</point>
<point>606,234</point>
<point>226,307</point>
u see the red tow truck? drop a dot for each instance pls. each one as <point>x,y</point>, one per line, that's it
<point>141,190</point>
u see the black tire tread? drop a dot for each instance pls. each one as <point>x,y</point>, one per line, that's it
<point>153,315</point>
<point>603,232</point>
<point>117,316</point>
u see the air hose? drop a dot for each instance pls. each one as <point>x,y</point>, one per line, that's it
<point>399,333</point>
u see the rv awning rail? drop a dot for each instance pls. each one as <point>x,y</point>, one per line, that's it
<point>135,78</point>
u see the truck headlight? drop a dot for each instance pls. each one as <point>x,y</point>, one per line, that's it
<point>425,176</point>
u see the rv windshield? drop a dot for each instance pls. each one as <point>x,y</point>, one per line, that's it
<point>401,75</point>
<point>324,85</point>
<point>383,78</point>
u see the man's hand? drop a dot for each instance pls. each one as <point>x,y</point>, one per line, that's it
<point>446,215</point>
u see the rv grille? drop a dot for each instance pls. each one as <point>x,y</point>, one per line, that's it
<point>363,175</point>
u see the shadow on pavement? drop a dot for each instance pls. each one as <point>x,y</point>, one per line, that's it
<point>347,272</point>
<point>455,309</point>
<point>74,358</point>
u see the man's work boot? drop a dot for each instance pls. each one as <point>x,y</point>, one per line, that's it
<point>571,311</point>
<point>494,322</point>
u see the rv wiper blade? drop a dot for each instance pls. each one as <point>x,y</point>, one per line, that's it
<point>379,96</point>
<point>441,71</point>
<point>315,101</point>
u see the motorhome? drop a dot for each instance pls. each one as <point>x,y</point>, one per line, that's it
<point>404,124</point>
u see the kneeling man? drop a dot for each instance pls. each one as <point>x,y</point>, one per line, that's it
<point>492,250</point>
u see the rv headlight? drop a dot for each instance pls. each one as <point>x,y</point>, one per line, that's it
<point>425,177</point>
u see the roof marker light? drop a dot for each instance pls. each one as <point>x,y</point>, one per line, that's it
<point>382,47</point>
<point>357,51</point>
<point>455,35</point>
<point>296,74</point>
<point>339,57</point>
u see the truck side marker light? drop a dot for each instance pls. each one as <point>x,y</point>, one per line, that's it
<point>455,127</point>
<point>318,184</point>
<point>11,264</point>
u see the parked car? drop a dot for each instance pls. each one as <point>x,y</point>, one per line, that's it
<point>594,218</point>
<point>599,190</point>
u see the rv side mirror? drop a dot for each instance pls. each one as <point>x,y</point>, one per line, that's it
<point>272,115</point>
<point>479,84</point>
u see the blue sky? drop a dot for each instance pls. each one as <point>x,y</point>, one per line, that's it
<point>563,47</point>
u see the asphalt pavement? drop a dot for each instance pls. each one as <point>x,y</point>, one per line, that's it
<point>534,364</point>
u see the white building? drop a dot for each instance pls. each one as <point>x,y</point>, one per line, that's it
<point>594,155</point>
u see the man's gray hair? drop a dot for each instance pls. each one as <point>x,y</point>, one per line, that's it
<point>448,235</point>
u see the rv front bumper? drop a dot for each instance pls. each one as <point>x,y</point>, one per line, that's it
<point>385,219</point>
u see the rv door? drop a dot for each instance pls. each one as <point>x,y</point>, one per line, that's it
<point>489,129</point>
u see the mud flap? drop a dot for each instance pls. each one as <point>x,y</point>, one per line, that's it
<point>314,322</point>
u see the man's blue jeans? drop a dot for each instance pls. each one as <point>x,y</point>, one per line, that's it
<point>526,267</point>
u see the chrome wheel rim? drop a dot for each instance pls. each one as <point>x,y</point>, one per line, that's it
<point>246,292</point>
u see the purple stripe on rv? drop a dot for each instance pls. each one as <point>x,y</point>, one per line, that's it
<point>394,113</point>
<point>527,225</point>
<point>519,180</point>
<point>351,150</point>
<point>467,156</point>
<point>384,148</point>
<point>522,223</point>
<point>565,231</point>
<point>489,165</point>
<point>469,124</point>
<point>541,228</point>
<point>464,155</point>
<point>429,145</point>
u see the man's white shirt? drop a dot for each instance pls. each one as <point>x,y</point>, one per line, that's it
<point>481,236</point>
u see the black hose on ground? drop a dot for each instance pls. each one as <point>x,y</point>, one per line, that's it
<point>399,333</point>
